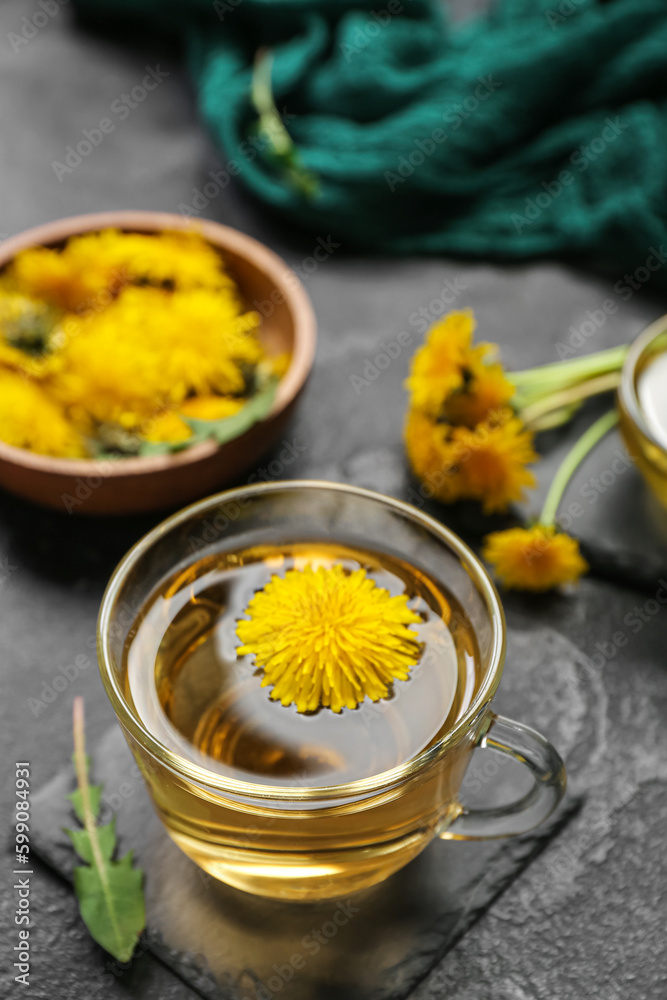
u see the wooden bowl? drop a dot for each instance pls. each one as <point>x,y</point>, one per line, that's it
<point>130,485</point>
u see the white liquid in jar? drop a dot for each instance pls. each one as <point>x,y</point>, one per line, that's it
<point>652,394</point>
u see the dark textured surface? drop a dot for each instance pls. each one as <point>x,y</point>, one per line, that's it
<point>587,918</point>
<point>224,941</point>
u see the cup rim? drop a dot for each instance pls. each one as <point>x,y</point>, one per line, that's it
<point>361,786</point>
<point>627,389</point>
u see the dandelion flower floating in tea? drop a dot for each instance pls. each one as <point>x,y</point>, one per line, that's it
<point>329,637</point>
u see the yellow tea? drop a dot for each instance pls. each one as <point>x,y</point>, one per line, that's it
<point>193,692</point>
<point>303,671</point>
<point>187,684</point>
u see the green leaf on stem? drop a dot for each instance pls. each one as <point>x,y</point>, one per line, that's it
<point>95,799</point>
<point>270,127</point>
<point>232,427</point>
<point>111,900</point>
<point>257,407</point>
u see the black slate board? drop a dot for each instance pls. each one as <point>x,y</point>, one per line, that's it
<point>232,946</point>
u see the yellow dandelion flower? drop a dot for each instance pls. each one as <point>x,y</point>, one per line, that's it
<point>25,322</point>
<point>180,260</point>
<point>165,426</point>
<point>28,333</point>
<point>328,637</point>
<point>536,558</point>
<point>437,367</point>
<point>433,458</point>
<point>29,419</point>
<point>211,407</point>
<point>486,391</point>
<point>280,363</point>
<point>542,557</point>
<point>492,461</point>
<point>454,380</point>
<point>14,359</point>
<point>170,425</point>
<point>129,335</point>
<point>90,268</point>
<point>151,349</point>
<point>52,275</point>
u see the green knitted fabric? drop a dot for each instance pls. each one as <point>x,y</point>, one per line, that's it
<point>538,128</point>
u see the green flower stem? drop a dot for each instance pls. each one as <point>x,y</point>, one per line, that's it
<point>271,124</point>
<point>549,395</point>
<point>89,821</point>
<point>574,457</point>
<point>568,372</point>
<point>81,768</point>
<point>536,415</point>
<point>262,97</point>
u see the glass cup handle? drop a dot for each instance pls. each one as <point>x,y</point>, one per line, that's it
<point>512,739</point>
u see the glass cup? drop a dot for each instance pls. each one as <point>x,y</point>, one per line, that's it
<point>646,450</point>
<point>307,843</point>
